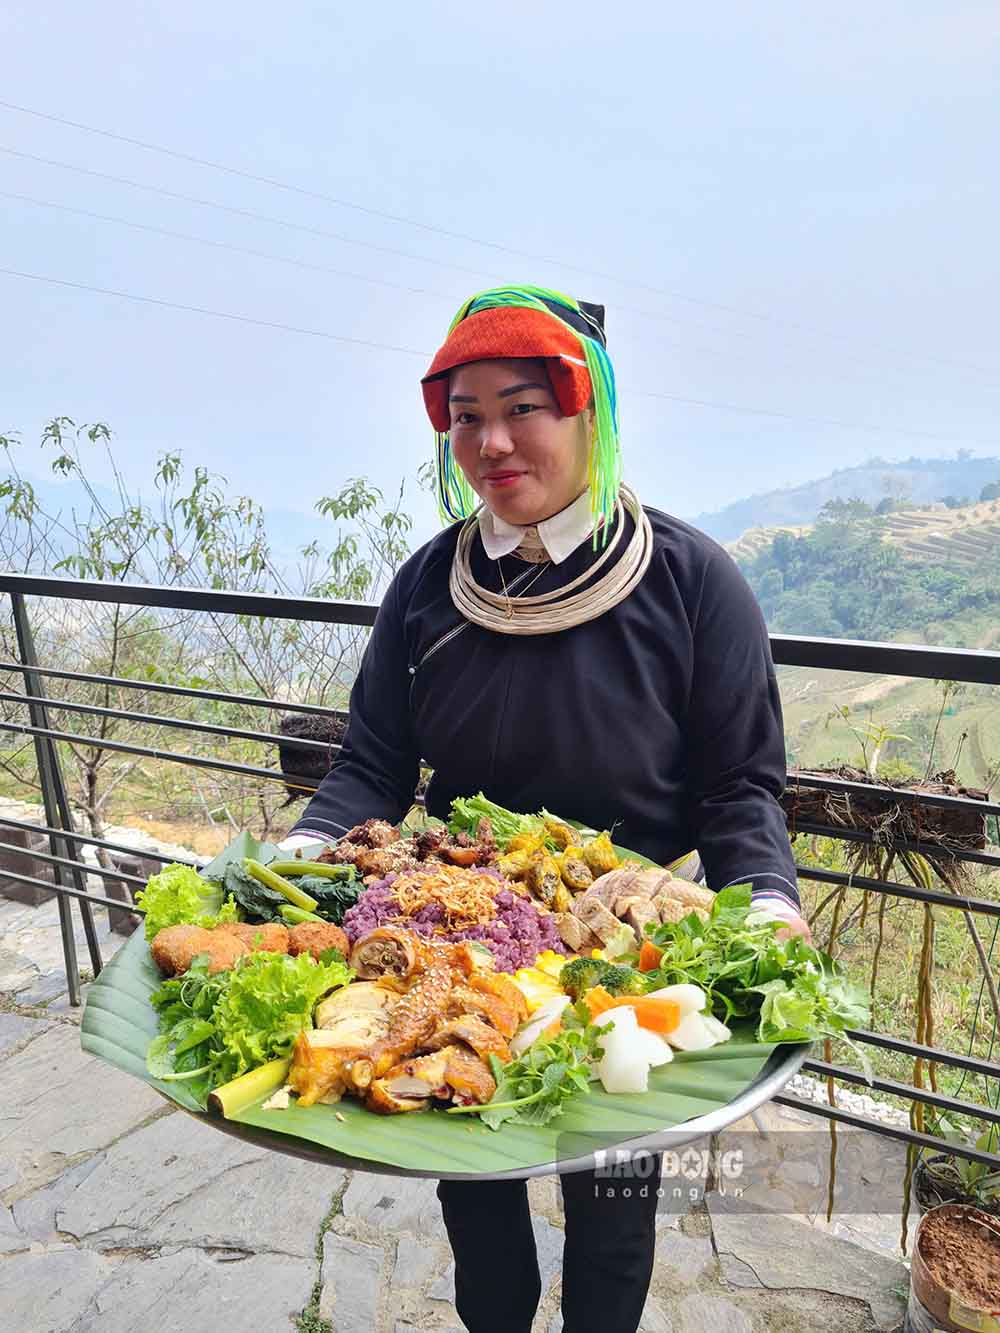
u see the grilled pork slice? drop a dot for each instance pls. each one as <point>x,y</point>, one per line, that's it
<point>638,912</point>
<point>465,1000</point>
<point>467,1077</point>
<point>501,985</point>
<point>484,1039</point>
<point>597,917</point>
<point>574,934</point>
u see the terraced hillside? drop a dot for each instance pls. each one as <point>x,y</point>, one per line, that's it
<point>939,535</point>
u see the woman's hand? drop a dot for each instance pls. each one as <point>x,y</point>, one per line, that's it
<point>795,925</point>
<point>791,922</point>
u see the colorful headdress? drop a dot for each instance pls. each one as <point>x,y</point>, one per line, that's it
<point>509,322</point>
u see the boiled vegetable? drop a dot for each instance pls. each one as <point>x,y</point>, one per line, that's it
<point>235,1096</point>
<point>655,1013</point>
<point>649,956</point>
<point>266,876</point>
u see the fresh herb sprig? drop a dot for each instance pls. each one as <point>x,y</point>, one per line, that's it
<point>737,959</point>
<point>534,1088</point>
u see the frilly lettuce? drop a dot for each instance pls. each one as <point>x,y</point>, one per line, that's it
<point>179,896</point>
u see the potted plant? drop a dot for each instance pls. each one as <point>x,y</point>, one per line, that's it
<point>941,1178</point>
<point>955,1275</point>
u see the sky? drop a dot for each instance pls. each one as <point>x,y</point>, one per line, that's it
<point>790,213</point>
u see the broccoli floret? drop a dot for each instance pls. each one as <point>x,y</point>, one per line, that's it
<point>578,976</point>
<point>620,979</point>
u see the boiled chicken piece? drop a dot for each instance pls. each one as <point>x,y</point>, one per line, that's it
<point>359,997</point>
<point>465,1000</point>
<point>423,1076</point>
<point>484,1039</point>
<point>323,1058</point>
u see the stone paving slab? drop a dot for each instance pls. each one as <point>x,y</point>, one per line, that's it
<point>78,1291</point>
<point>178,1182</point>
<point>60,1105</point>
<point>17,1030</point>
<point>782,1253</point>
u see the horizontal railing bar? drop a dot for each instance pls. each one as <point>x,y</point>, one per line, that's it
<point>158,720</point>
<point>972,665</point>
<point>809,828</point>
<point>888,1131</point>
<point>73,865</point>
<point>901,794</point>
<point>905,1090</point>
<point>182,691</point>
<point>895,890</point>
<point>929,1053</point>
<point>95,842</point>
<point>168,756</point>
<point>70,893</point>
<point>268,605</point>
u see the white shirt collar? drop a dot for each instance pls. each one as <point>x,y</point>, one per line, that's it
<point>560,535</point>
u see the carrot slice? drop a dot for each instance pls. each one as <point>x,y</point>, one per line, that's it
<point>652,1012</point>
<point>598,1000</point>
<point>649,956</point>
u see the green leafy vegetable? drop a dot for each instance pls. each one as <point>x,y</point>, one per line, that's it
<point>214,1028</point>
<point>179,896</point>
<point>269,1000</point>
<point>333,893</point>
<point>333,896</point>
<point>736,959</point>
<point>467,811</point>
<point>535,1088</point>
<point>256,900</point>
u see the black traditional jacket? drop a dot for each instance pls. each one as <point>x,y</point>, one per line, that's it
<point>660,720</point>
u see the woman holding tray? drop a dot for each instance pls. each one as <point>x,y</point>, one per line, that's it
<point>560,646</point>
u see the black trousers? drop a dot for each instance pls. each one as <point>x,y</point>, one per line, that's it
<point>607,1259</point>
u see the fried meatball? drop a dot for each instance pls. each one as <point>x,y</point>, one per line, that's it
<point>272,936</point>
<point>315,936</point>
<point>175,947</point>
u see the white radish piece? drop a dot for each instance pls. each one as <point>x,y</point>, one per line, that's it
<point>624,1066</point>
<point>530,1031</point>
<point>718,1030</point>
<point>655,1048</point>
<point>691,1034</point>
<point>690,999</point>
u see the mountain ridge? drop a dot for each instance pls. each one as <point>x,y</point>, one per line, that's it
<point>917,481</point>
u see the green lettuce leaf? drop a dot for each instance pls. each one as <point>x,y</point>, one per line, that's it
<point>179,896</point>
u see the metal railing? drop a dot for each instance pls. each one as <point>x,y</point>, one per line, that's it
<point>70,871</point>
